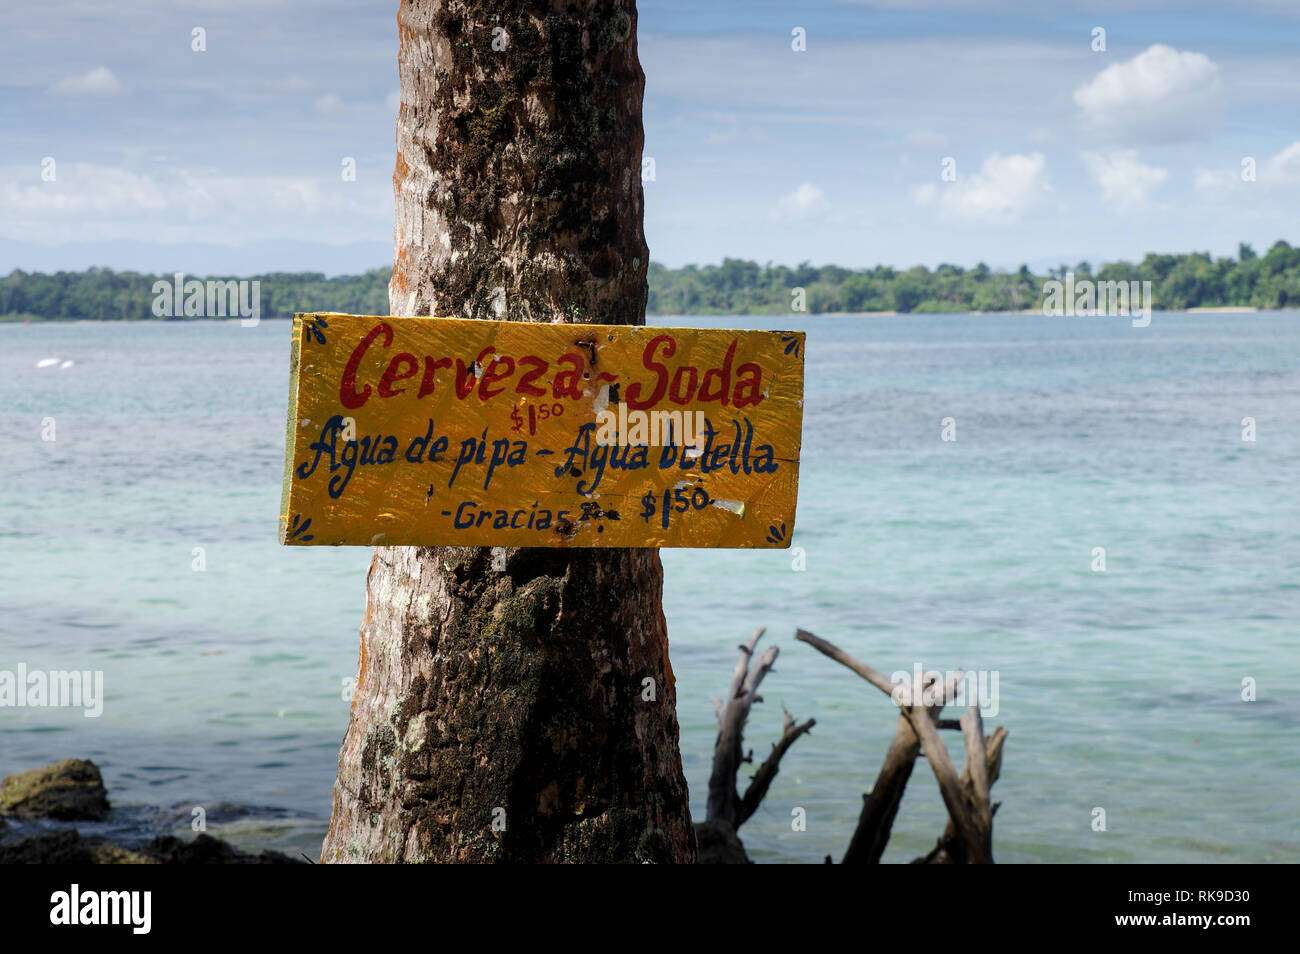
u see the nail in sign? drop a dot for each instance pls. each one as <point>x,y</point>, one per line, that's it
<point>460,432</point>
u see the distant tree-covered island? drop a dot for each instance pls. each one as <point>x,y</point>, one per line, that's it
<point>737,287</point>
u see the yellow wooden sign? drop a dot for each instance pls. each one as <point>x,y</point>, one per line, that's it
<point>456,432</point>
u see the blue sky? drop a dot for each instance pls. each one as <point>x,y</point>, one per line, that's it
<point>229,159</point>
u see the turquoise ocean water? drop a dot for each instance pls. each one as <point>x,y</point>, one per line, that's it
<point>1122,690</point>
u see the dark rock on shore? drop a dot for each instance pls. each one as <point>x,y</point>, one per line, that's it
<point>70,848</point>
<point>718,844</point>
<point>71,790</point>
<point>206,850</point>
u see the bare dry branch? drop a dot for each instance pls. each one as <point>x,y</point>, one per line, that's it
<point>966,797</point>
<point>950,848</point>
<point>873,676</point>
<point>724,801</point>
<point>968,821</point>
<point>972,730</point>
<point>767,771</point>
<point>881,805</point>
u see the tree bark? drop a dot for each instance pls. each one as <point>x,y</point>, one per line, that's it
<point>503,715</point>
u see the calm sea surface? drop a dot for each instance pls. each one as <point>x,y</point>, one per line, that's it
<point>1122,690</point>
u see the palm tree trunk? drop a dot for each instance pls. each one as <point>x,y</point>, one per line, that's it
<point>525,714</point>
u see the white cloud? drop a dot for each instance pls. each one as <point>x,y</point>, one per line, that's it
<point>293,85</point>
<point>925,139</point>
<point>1162,94</point>
<point>1285,166</point>
<point>81,190</point>
<point>804,203</point>
<point>1215,180</point>
<point>1004,189</point>
<point>1282,169</point>
<point>90,202</point>
<point>98,82</point>
<point>332,104</point>
<point>746,75</point>
<point>1124,180</point>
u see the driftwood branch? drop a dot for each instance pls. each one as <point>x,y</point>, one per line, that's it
<point>951,847</point>
<point>724,801</point>
<point>758,786</point>
<point>973,824</point>
<point>727,809</point>
<point>725,804</point>
<point>976,769</point>
<point>966,797</point>
<point>881,805</point>
<point>873,676</point>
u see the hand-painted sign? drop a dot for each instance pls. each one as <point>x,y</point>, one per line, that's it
<point>457,432</point>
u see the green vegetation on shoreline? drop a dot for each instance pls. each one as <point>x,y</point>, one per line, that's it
<point>1193,280</point>
<point>101,294</point>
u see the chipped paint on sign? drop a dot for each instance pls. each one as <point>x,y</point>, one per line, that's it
<point>459,432</point>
